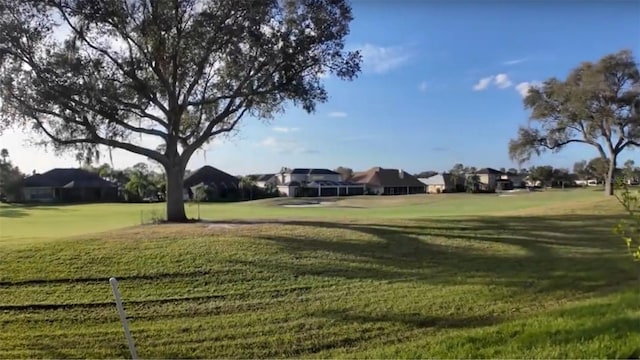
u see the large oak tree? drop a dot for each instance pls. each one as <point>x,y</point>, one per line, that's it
<point>597,105</point>
<point>86,73</point>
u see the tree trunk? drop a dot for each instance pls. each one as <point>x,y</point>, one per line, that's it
<point>175,200</point>
<point>608,182</point>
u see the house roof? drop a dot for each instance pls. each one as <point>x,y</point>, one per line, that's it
<point>67,178</point>
<point>290,183</point>
<point>333,183</point>
<point>210,176</point>
<point>437,179</point>
<point>260,177</point>
<point>265,177</point>
<point>441,179</point>
<point>312,171</point>
<point>378,176</point>
<point>489,171</point>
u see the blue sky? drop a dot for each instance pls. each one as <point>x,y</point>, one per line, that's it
<point>421,102</point>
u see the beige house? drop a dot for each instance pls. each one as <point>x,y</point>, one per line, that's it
<point>382,181</point>
<point>441,183</point>
<point>492,179</point>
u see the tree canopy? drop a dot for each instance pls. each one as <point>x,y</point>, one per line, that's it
<point>10,178</point>
<point>598,104</point>
<point>85,73</point>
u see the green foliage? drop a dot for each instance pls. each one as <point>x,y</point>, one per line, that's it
<point>181,72</point>
<point>472,183</point>
<point>596,104</point>
<point>201,194</point>
<point>629,228</point>
<point>138,184</point>
<point>345,172</point>
<point>247,187</point>
<point>598,168</point>
<point>544,174</point>
<point>10,178</point>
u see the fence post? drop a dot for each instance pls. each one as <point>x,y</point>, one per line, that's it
<point>123,318</point>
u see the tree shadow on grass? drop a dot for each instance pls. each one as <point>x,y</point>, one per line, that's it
<point>556,253</point>
<point>18,211</point>
<point>12,213</point>
<point>414,320</point>
<point>564,328</point>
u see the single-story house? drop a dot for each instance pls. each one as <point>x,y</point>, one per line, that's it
<point>316,182</point>
<point>216,182</point>
<point>382,181</point>
<point>442,183</point>
<point>68,185</point>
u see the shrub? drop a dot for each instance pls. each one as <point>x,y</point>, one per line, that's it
<point>629,228</point>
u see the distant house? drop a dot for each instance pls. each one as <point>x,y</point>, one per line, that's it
<point>68,185</point>
<point>217,183</point>
<point>518,180</point>
<point>382,181</point>
<point>492,179</point>
<point>442,183</point>
<point>315,182</point>
<point>262,180</point>
<point>589,182</point>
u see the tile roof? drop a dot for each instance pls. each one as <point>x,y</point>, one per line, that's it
<point>378,176</point>
<point>312,171</point>
<point>210,176</point>
<point>333,183</point>
<point>261,177</point>
<point>68,178</point>
<point>489,171</point>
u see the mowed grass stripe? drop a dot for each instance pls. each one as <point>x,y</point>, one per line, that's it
<point>406,277</point>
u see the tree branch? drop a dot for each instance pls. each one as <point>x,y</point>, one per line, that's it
<point>94,138</point>
<point>130,74</point>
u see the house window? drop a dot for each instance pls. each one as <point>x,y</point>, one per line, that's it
<point>40,194</point>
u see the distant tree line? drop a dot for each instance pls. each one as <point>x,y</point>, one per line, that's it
<point>141,183</point>
<point>10,178</point>
<point>549,176</point>
<point>137,183</point>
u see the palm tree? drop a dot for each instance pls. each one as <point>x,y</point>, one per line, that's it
<point>247,183</point>
<point>4,154</point>
<point>138,183</point>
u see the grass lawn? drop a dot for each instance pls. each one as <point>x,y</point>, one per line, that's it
<point>536,275</point>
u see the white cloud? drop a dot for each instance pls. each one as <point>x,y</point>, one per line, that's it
<point>514,62</point>
<point>285,146</point>
<point>423,86</point>
<point>381,59</point>
<point>285,129</point>
<point>269,142</point>
<point>338,114</point>
<point>502,81</point>
<point>483,83</point>
<point>523,87</point>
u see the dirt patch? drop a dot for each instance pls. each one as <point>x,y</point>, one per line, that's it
<point>307,202</point>
<point>232,224</point>
<point>304,205</point>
